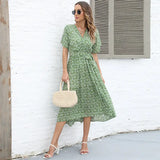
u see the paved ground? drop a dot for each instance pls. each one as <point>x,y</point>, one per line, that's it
<point>126,146</point>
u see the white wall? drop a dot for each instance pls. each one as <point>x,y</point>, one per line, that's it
<point>36,68</point>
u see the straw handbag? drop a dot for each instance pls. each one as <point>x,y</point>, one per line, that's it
<point>65,98</point>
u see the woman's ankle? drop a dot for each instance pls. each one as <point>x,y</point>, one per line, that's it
<point>55,143</point>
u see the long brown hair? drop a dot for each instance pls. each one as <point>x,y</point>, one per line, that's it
<point>89,19</point>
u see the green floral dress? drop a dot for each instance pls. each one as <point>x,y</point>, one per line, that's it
<point>93,98</point>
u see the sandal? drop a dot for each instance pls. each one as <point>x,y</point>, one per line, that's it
<point>56,151</point>
<point>82,151</point>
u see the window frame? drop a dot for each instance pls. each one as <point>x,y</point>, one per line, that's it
<point>146,33</point>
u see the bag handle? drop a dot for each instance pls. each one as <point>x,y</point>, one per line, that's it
<point>60,88</point>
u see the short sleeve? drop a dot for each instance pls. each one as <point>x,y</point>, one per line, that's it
<point>65,37</point>
<point>97,45</point>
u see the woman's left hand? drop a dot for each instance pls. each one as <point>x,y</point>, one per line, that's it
<point>102,79</point>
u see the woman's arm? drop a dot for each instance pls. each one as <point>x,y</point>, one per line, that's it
<point>96,60</point>
<point>64,59</point>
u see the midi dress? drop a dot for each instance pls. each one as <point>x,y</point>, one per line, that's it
<point>84,77</point>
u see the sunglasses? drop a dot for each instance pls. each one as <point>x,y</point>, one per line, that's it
<point>78,12</point>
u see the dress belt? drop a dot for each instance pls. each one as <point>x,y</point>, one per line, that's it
<point>82,54</point>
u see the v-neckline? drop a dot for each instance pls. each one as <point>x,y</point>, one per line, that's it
<point>79,32</point>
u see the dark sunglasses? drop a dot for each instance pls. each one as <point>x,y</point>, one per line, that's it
<point>78,11</point>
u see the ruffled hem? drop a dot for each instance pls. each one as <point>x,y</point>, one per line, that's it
<point>101,117</point>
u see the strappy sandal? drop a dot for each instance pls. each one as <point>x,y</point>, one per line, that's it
<point>56,151</point>
<point>86,151</point>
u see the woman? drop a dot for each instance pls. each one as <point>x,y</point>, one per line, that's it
<point>82,40</point>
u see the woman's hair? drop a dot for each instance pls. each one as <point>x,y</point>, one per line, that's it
<point>89,19</point>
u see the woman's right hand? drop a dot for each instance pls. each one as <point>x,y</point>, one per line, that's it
<point>65,77</point>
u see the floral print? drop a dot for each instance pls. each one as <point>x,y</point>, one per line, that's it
<point>93,97</point>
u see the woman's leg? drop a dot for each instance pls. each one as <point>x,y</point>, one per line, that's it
<point>57,132</point>
<point>86,127</point>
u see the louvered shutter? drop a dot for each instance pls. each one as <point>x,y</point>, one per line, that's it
<point>101,22</point>
<point>124,27</point>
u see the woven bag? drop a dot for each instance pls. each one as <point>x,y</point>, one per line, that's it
<point>65,98</point>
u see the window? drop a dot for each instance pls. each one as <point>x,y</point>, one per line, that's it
<point>124,27</point>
